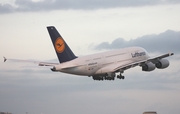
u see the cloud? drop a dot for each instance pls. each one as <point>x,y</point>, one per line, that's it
<point>48,5</point>
<point>163,42</point>
<point>31,91</point>
<point>6,8</point>
<point>42,91</point>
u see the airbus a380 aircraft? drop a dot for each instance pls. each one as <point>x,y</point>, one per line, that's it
<point>101,66</point>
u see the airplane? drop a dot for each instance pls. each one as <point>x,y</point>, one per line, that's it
<point>104,65</point>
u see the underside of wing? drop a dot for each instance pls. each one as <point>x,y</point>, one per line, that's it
<point>150,64</point>
<point>128,66</point>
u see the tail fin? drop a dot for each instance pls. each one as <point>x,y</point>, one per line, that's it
<point>63,51</point>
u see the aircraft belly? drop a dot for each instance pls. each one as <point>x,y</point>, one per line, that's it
<point>75,70</point>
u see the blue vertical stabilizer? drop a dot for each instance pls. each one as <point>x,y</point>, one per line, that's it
<point>63,51</point>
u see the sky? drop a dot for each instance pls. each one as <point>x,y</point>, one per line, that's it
<point>88,27</point>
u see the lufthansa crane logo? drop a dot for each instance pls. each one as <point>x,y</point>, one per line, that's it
<point>59,45</point>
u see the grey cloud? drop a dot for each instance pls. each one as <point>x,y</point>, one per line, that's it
<point>163,42</point>
<point>48,5</point>
<point>29,93</point>
<point>6,8</point>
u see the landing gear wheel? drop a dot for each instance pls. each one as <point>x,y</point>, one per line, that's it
<point>120,76</point>
<point>117,76</point>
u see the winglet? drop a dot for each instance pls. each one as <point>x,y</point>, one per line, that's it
<point>5,59</point>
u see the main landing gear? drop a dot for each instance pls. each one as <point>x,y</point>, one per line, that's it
<point>120,76</point>
<point>108,76</point>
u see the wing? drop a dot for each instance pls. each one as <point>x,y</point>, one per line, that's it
<point>155,59</point>
<point>120,67</point>
<point>36,62</point>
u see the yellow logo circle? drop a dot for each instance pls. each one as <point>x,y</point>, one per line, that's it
<point>59,45</point>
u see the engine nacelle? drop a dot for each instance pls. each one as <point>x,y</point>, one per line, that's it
<point>163,63</point>
<point>148,67</point>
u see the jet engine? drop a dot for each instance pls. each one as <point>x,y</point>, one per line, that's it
<point>148,66</point>
<point>163,63</point>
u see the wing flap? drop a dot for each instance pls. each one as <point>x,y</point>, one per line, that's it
<point>47,64</point>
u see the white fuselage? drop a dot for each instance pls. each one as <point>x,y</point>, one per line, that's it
<point>97,64</point>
